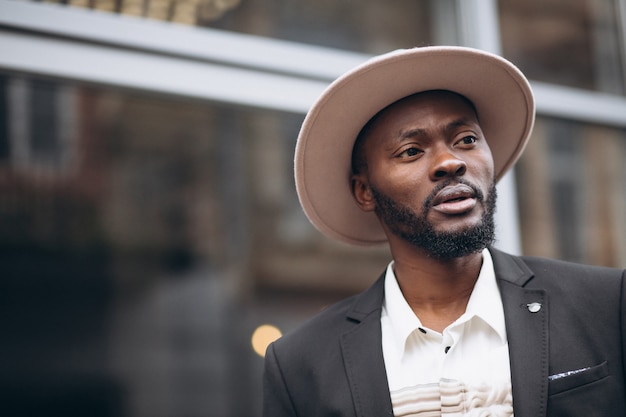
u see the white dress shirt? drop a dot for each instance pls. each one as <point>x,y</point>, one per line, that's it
<point>463,371</point>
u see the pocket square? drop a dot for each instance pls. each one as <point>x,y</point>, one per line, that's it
<point>568,373</point>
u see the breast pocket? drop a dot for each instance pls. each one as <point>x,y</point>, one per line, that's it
<point>568,380</point>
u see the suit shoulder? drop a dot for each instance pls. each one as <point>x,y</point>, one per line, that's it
<point>569,278</point>
<point>337,318</point>
<point>572,269</point>
<point>323,324</point>
<point>322,334</point>
<point>533,271</point>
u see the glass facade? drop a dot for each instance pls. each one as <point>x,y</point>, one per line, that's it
<point>576,44</point>
<point>570,179</point>
<point>117,235</point>
<point>147,237</point>
<point>572,192</point>
<point>143,240</point>
<point>367,26</point>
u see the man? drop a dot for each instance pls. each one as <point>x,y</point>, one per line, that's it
<point>406,149</point>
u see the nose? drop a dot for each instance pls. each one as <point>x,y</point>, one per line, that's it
<point>447,165</point>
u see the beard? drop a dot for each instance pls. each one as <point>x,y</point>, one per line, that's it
<point>416,229</point>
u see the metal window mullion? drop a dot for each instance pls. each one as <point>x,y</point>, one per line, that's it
<point>621,22</point>
<point>178,41</point>
<point>32,54</point>
<point>579,105</point>
<point>478,20</point>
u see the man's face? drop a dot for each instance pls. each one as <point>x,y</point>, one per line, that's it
<point>429,175</point>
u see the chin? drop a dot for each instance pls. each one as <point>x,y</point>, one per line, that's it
<point>458,223</point>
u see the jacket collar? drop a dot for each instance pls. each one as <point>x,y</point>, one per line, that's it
<point>510,268</point>
<point>371,301</point>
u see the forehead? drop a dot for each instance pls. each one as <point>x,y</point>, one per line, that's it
<point>437,103</point>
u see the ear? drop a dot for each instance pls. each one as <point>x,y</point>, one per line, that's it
<point>362,192</point>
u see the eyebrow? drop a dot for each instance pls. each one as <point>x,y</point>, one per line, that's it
<point>417,132</point>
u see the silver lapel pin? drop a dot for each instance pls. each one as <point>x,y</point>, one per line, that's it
<point>534,307</point>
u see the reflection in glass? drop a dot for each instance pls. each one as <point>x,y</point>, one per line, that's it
<point>143,239</point>
<point>368,26</point>
<point>572,193</point>
<point>576,44</point>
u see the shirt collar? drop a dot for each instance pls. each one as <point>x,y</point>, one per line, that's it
<point>484,303</point>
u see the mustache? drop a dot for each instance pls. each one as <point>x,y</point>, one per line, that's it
<point>428,201</point>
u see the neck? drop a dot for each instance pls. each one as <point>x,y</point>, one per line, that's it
<point>437,290</point>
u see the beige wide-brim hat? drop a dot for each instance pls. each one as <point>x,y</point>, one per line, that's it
<point>499,91</point>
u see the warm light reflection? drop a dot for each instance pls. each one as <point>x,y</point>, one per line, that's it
<point>263,336</point>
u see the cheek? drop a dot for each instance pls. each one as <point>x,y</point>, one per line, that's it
<point>484,165</point>
<point>406,187</point>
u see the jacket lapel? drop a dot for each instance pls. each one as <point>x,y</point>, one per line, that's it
<point>526,317</point>
<point>363,355</point>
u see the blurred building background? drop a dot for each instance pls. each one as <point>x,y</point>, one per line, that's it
<point>148,218</point>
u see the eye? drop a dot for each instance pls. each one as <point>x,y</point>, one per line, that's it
<point>410,152</point>
<point>468,140</point>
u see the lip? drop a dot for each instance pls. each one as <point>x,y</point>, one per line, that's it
<point>457,199</point>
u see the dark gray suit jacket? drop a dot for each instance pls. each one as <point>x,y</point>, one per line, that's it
<point>333,365</point>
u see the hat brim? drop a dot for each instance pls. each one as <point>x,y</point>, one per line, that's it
<point>499,91</point>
